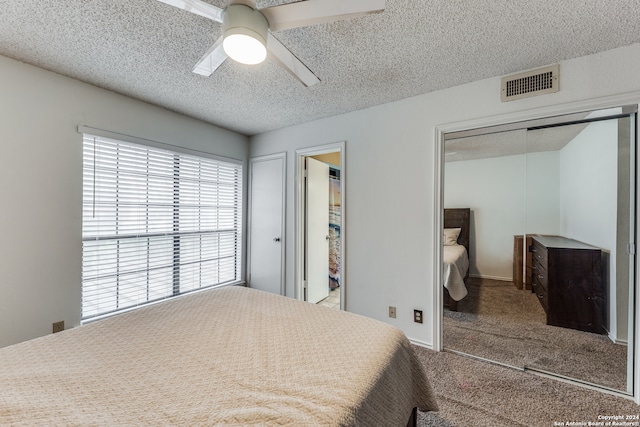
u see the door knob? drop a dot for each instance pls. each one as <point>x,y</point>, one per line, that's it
<point>327,238</point>
<point>276,239</point>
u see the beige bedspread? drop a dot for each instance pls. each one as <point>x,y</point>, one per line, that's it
<point>455,266</point>
<point>232,357</point>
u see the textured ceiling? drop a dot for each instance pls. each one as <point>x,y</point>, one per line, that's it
<point>146,49</point>
<point>510,143</point>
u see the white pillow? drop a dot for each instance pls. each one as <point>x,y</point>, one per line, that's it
<point>451,236</point>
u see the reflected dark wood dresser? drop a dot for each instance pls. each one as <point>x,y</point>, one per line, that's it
<point>521,281</point>
<point>567,279</point>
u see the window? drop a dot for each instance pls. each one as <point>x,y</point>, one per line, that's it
<point>155,224</point>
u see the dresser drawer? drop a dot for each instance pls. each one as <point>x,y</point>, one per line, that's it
<point>538,256</point>
<point>540,277</point>
<point>541,293</point>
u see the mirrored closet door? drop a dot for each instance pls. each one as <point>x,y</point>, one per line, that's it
<point>552,213</point>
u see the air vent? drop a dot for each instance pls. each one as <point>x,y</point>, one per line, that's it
<point>531,83</point>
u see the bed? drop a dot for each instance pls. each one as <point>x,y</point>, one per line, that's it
<point>455,255</point>
<point>232,356</point>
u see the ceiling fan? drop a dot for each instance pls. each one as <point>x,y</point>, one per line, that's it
<point>246,31</point>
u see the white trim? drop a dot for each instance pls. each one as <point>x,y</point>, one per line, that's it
<point>438,203</point>
<point>540,113</point>
<point>482,359</point>
<point>283,226</point>
<point>150,143</point>
<point>499,278</point>
<point>578,383</point>
<point>619,342</point>
<point>525,115</point>
<point>634,339</point>
<point>421,343</point>
<point>299,222</point>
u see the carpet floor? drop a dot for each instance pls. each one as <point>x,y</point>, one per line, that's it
<point>480,394</point>
<point>498,322</point>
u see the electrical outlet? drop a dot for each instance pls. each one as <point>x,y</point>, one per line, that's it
<point>58,326</point>
<point>417,316</point>
<point>392,312</point>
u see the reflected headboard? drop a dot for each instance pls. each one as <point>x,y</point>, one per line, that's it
<point>459,218</point>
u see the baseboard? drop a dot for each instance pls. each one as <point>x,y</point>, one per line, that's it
<point>484,276</point>
<point>615,340</point>
<point>421,343</point>
<point>619,342</point>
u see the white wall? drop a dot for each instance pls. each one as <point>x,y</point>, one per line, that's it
<point>504,201</point>
<point>41,175</point>
<point>389,174</point>
<point>542,213</point>
<point>589,182</point>
<point>589,197</point>
<point>494,190</point>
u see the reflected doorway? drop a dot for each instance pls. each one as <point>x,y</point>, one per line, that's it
<point>320,239</point>
<point>550,282</point>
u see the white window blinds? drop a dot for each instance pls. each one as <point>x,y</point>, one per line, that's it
<point>155,224</point>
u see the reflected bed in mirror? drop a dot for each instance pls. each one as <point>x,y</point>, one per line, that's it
<point>455,255</point>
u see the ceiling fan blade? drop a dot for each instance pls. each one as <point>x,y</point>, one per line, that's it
<point>211,60</point>
<point>250,3</point>
<point>289,62</point>
<point>198,7</point>
<point>311,12</point>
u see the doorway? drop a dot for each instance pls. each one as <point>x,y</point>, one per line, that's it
<point>320,225</point>
<point>553,208</point>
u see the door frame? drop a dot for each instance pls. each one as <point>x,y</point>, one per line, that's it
<point>283,229</point>
<point>301,154</point>
<point>438,182</point>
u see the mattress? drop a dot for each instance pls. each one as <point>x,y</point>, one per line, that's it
<point>455,266</point>
<point>232,356</point>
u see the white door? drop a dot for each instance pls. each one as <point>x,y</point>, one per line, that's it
<point>266,225</point>
<point>317,230</point>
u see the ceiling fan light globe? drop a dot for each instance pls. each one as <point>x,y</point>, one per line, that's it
<point>245,34</point>
<point>244,49</point>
